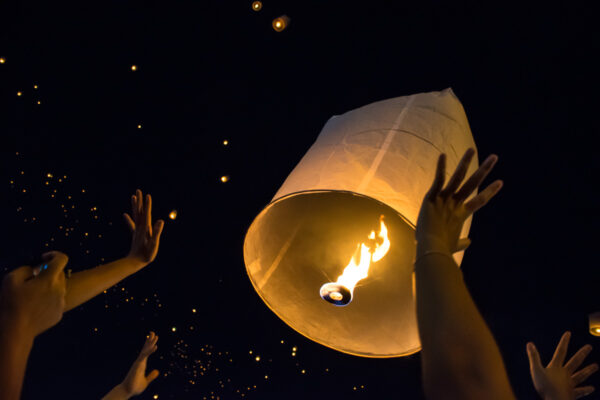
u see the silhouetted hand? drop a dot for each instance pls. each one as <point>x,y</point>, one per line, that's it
<point>144,244</point>
<point>136,380</point>
<point>558,381</point>
<point>444,212</point>
<point>32,304</point>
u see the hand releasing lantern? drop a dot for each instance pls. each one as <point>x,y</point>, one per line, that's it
<point>340,292</point>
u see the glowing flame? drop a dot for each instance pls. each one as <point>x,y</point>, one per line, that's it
<point>373,250</point>
<point>358,267</point>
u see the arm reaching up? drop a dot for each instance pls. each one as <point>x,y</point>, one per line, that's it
<point>558,381</point>
<point>136,380</point>
<point>460,358</point>
<point>84,285</point>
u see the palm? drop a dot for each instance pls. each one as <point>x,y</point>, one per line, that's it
<point>145,240</point>
<point>558,380</point>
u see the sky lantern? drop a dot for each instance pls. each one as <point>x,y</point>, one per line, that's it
<point>280,23</point>
<point>256,5</point>
<point>595,323</point>
<point>332,254</point>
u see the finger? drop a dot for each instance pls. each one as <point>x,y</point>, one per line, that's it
<point>129,222</point>
<point>134,207</point>
<point>148,213</point>
<point>583,374</point>
<point>561,350</point>
<point>484,197</point>
<point>535,363</point>
<point>56,262</point>
<point>18,275</point>
<point>475,180</point>
<point>158,228</point>
<point>438,181</point>
<point>583,391</point>
<point>139,202</point>
<point>152,375</point>
<point>578,358</point>
<point>459,173</point>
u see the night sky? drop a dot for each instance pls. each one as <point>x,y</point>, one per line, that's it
<point>87,130</point>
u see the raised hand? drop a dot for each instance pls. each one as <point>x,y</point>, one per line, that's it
<point>136,380</point>
<point>145,240</point>
<point>444,210</point>
<point>559,381</point>
<point>29,304</point>
<point>33,304</point>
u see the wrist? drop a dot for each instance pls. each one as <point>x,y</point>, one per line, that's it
<point>134,262</point>
<point>121,391</point>
<point>431,248</point>
<point>15,329</point>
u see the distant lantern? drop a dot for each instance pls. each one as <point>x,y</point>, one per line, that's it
<point>2,60</point>
<point>595,323</point>
<point>280,23</point>
<point>134,67</point>
<point>173,214</point>
<point>19,93</point>
<point>332,254</point>
<point>225,142</point>
<point>224,178</point>
<point>256,5</point>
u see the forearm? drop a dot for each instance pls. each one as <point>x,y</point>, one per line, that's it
<point>15,347</point>
<point>84,285</point>
<point>117,393</point>
<point>458,347</point>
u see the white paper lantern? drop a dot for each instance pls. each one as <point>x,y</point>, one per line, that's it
<point>377,160</point>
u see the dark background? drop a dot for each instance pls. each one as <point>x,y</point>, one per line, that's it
<point>210,71</point>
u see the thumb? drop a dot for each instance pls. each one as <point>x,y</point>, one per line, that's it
<point>463,244</point>
<point>56,261</point>
<point>152,376</point>
<point>535,364</point>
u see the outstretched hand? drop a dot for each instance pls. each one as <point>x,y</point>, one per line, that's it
<point>444,211</point>
<point>136,380</point>
<point>145,240</point>
<point>558,381</point>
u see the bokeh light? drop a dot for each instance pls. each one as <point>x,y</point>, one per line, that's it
<point>280,23</point>
<point>257,5</point>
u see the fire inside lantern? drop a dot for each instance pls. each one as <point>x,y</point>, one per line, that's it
<point>341,291</point>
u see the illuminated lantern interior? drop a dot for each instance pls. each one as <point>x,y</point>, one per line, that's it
<point>595,323</point>
<point>343,222</point>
